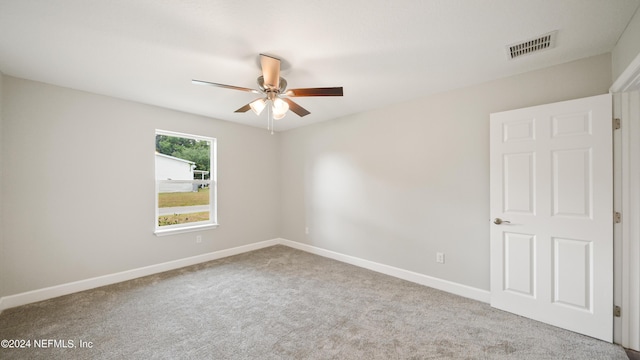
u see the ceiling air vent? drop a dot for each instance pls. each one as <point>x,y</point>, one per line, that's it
<point>544,42</point>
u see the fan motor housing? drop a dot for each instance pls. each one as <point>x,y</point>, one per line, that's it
<point>283,85</point>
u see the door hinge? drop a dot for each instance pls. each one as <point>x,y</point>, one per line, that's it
<point>617,217</point>
<point>616,123</point>
<point>616,311</point>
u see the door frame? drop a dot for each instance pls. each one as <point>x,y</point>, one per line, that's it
<point>626,107</point>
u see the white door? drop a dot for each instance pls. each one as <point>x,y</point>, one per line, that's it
<point>552,214</point>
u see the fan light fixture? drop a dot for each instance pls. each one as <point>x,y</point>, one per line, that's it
<point>258,105</point>
<point>278,106</point>
<point>273,86</point>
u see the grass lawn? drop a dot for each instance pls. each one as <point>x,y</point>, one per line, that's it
<point>164,220</point>
<point>184,198</point>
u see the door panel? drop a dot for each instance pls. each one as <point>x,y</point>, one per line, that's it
<point>551,183</point>
<point>572,268</point>
<point>519,181</point>
<point>572,173</point>
<point>519,260</point>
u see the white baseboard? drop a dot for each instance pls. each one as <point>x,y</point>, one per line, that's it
<point>10,301</point>
<point>444,285</point>
<point>87,284</point>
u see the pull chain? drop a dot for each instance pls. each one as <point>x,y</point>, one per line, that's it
<point>269,116</point>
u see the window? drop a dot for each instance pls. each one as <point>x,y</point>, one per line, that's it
<point>185,182</point>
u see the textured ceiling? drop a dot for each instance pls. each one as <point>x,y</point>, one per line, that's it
<point>380,51</point>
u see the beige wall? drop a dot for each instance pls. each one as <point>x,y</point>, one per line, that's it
<point>398,184</point>
<point>2,251</point>
<point>78,186</point>
<point>393,185</point>
<point>627,48</point>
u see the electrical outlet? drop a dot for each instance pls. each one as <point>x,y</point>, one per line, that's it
<point>198,238</point>
<point>440,258</point>
<point>306,230</point>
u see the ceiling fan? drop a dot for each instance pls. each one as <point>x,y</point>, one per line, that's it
<point>276,97</point>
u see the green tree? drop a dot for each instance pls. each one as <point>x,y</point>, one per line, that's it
<point>194,150</point>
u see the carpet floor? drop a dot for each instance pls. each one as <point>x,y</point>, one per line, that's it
<point>281,303</point>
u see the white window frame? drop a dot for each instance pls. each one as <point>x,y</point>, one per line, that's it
<point>212,223</point>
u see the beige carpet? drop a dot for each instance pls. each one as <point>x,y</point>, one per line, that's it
<point>281,303</point>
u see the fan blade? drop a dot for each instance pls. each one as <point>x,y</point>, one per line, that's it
<point>327,91</point>
<point>270,71</point>
<point>299,110</point>
<point>201,82</point>
<point>244,108</point>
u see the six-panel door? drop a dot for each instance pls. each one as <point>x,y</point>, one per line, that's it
<point>552,187</point>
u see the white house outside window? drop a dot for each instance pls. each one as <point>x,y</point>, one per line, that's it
<point>185,174</point>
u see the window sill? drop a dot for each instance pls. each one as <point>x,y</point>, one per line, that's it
<point>174,231</point>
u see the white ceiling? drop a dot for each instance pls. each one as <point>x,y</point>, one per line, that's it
<point>380,51</point>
